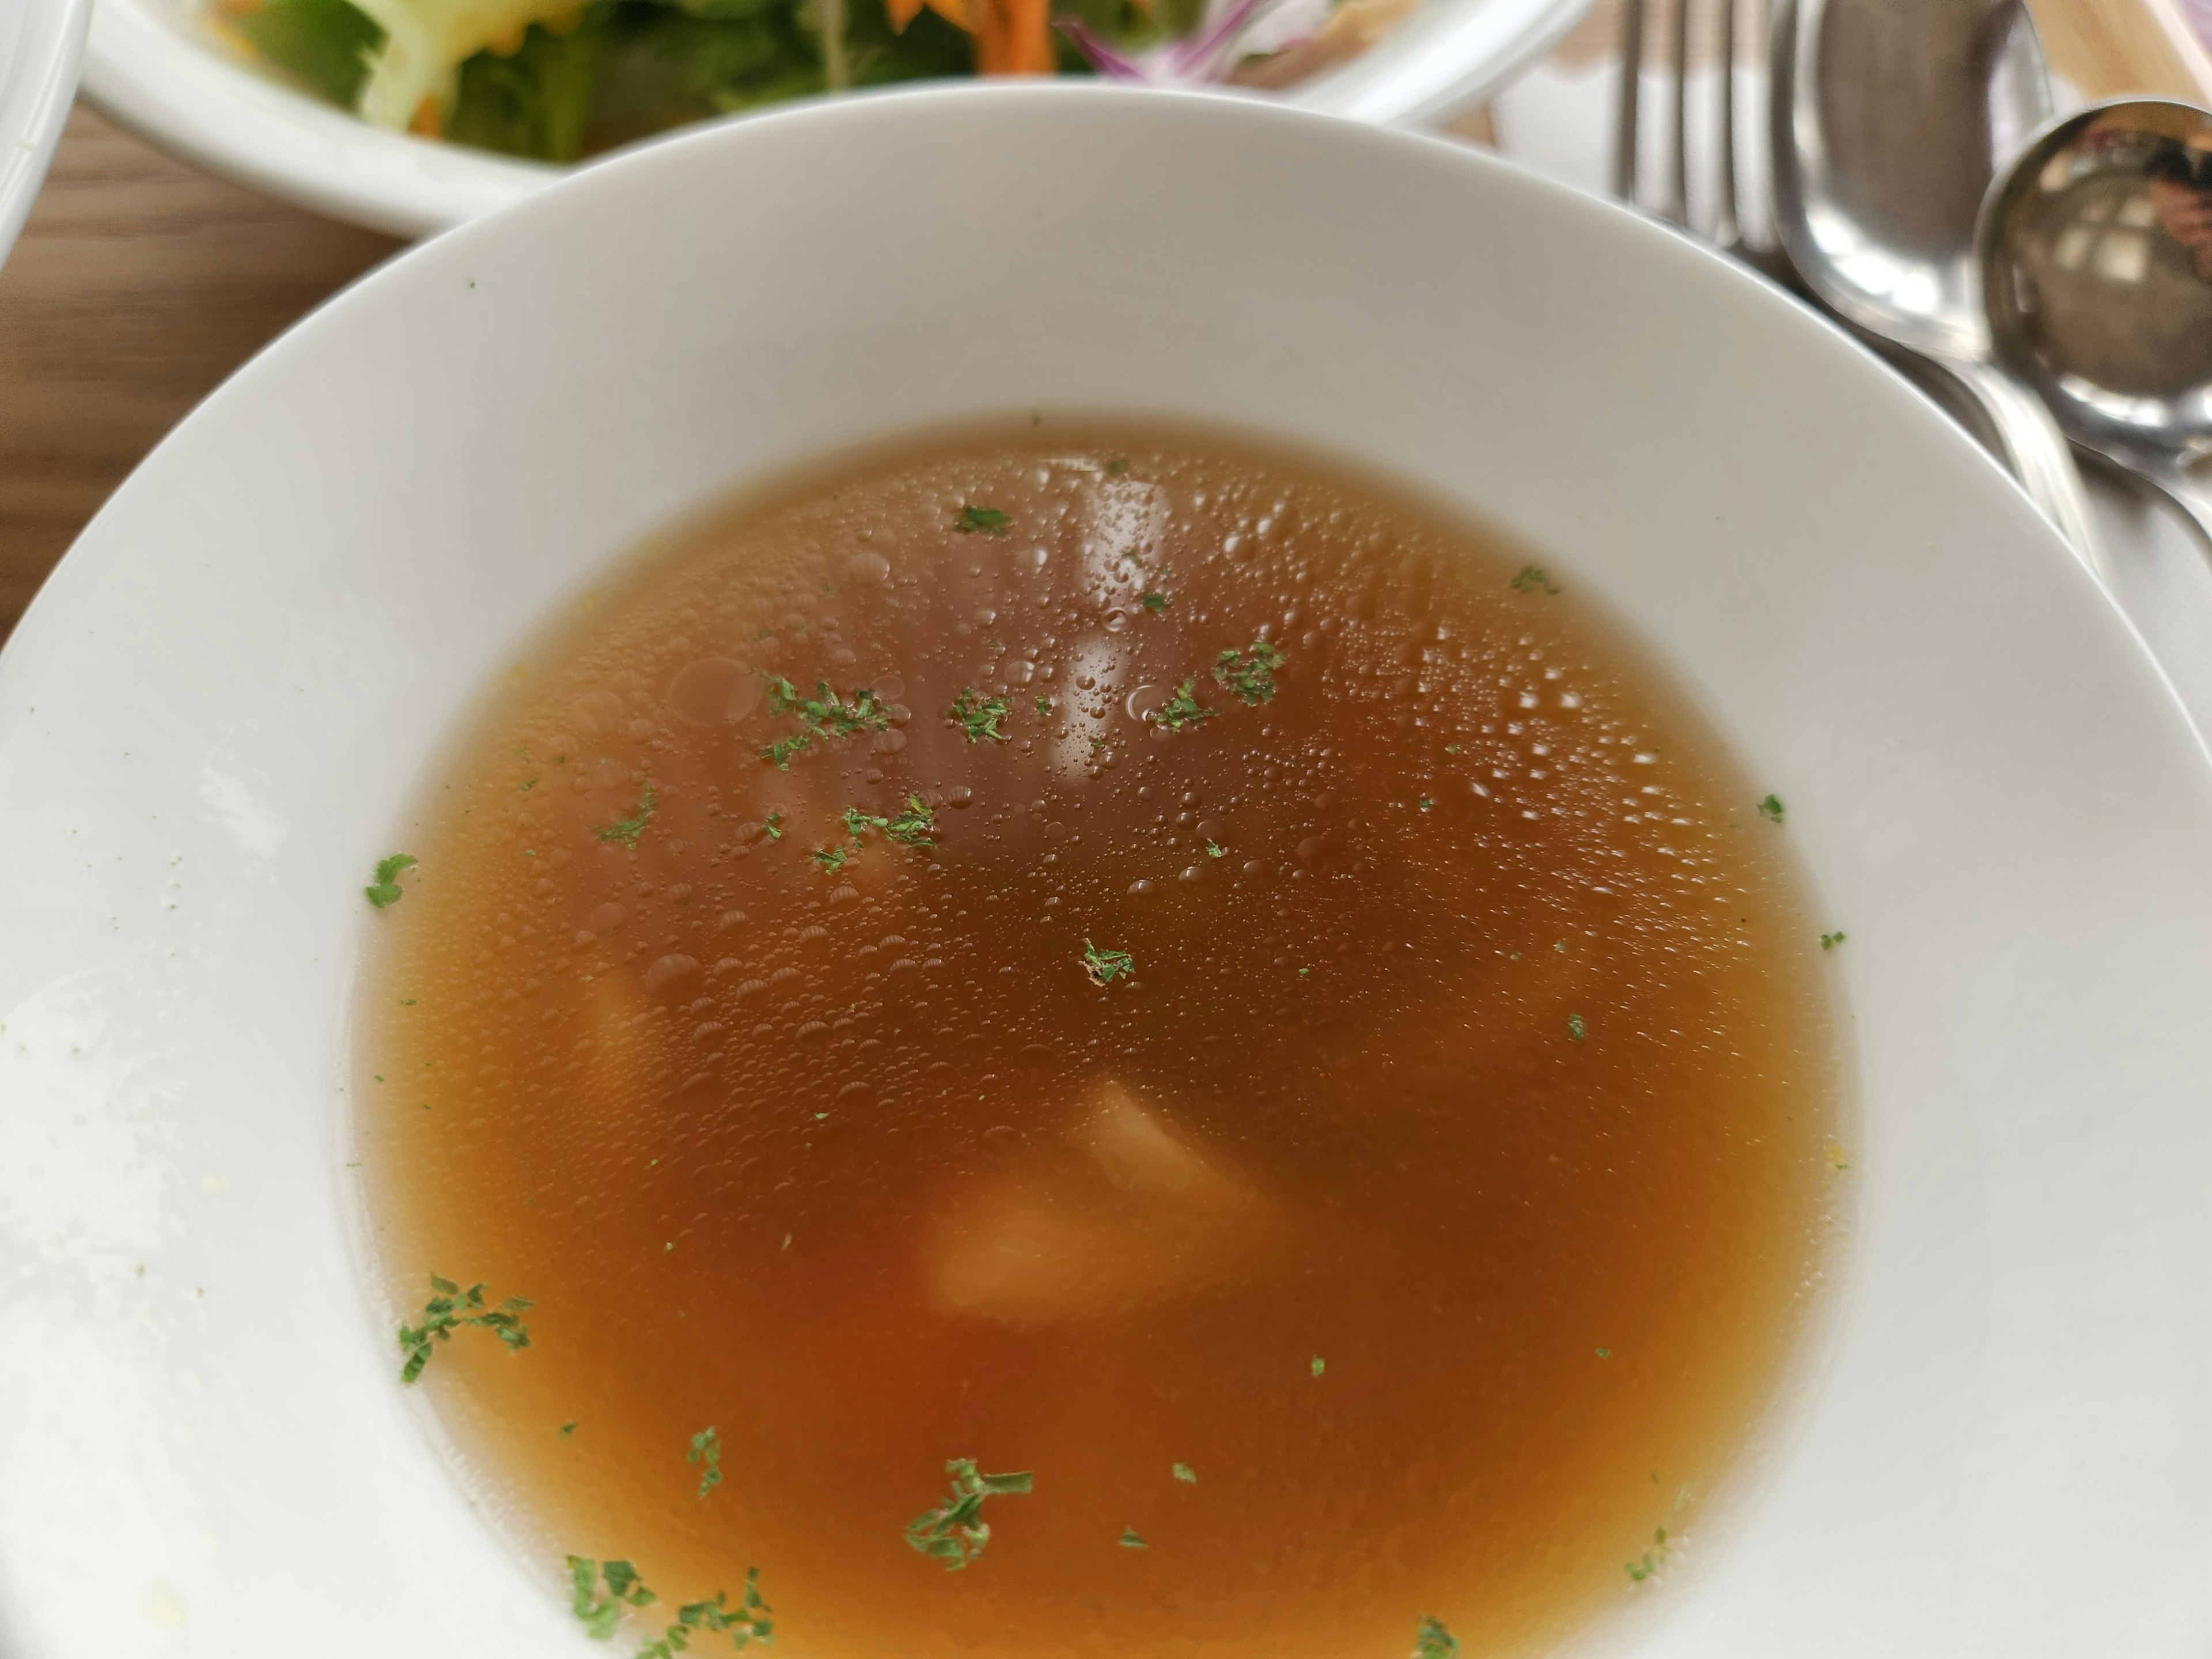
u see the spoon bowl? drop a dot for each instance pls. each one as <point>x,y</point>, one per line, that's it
<point>2095,249</point>
<point>1890,118</point>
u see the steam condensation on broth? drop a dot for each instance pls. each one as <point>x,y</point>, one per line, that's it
<point>1413,1226</point>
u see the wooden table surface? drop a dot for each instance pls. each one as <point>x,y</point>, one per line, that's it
<point>139,284</point>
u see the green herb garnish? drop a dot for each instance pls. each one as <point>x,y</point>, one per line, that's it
<point>1043,707</point>
<point>1182,709</point>
<point>914,827</point>
<point>568,1428</point>
<point>771,826</point>
<point>1575,1028</point>
<point>1116,467</point>
<point>1153,602</point>
<point>1771,809</point>
<point>954,1532</point>
<point>1433,1641</point>
<point>978,717</point>
<point>1530,579</point>
<point>749,1621</point>
<point>706,1451</point>
<point>831,859</point>
<point>627,830</point>
<point>1184,1473</point>
<point>988,520</point>
<point>825,715</point>
<point>449,1307</point>
<point>1640,1570</point>
<point>1319,1364</point>
<point>1104,966</point>
<point>1426,804</point>
<point>1250,673</point>
<point>856,821</point>
<point>1830,941</point>
<point>1130,1542</point>
<point>600,1615</point>
<point>386,888</point>
<point>1213,852</point>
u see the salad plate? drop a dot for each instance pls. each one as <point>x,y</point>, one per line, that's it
<point>310,101</point>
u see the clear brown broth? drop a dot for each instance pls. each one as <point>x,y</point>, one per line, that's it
<point>862,1170</point>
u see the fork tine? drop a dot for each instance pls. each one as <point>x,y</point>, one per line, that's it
<point>1728,229</point>
<point>1631,72</point>
<point>1677,207</point>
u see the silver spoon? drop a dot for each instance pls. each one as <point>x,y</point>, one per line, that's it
<point>2096,259</point>
<point>1889,117</point>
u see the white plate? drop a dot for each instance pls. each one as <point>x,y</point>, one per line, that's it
<point>40,43</point>
<point>210,719</point>
<point>151,67</point>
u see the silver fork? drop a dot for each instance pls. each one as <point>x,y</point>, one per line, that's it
<point>1727,230</point>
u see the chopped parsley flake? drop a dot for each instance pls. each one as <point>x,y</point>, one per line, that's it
<point>1154,602</point>
<point>978,717</point>
<point>954,1532</point>
<point>825,715</point>
<point>1319,1364</point>
<point>1104,966</point>
<point>1184,1473</point>
<point>1250,673</point>
<point>1830,941</point>
<point>988,520</point>
<point>1433,1641</point>
<point>1130,1542</point>
<point>1213,852</point>
<point>1640,1570</point>
<point>1426,804</point>
<point>568,1428</point>
<point>1531,579</point>
<point>1603,1353</point>
<point>706,1451</point>
<point>1771,809</point>
<point>1451,748</point>
<point>916,826</point>
<point>600,1615</point>
<point>1182,709</point>
<point>831,859</point>
<point>1575,1028</point>
<point>1116,467</point>
<point>449,1307</point>
<point>627,830</point>
<point>772,826</point>
<point>386,888</point>
<point>749,1621</point>
<point>1043,706</point>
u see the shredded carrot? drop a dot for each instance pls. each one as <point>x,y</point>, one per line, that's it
<point>426,123</point>
<point>958,13</point>
<point>1016,38</point>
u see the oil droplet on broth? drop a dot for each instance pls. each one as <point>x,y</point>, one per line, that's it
<point>791,1127</point>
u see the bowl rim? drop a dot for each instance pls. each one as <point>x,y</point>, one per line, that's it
<point>40,80</point>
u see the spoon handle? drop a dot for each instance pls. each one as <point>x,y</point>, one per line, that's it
<point>2035,449</point>
<point>2184,491</point>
